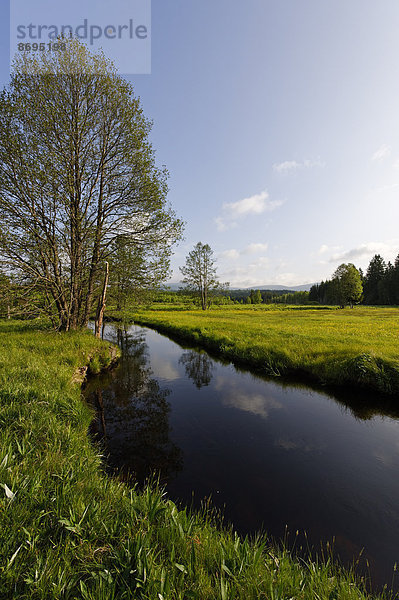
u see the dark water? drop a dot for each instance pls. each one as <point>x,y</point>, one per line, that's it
<point>274,457</point>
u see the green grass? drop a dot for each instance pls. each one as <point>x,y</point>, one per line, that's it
<point>358,347</point>
<point>68,531</point>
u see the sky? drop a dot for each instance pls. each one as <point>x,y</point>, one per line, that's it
<point>278,121</point>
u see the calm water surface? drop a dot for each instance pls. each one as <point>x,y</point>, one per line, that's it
<point>273,456</point>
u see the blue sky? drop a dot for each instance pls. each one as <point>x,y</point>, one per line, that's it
<point>279,124</point>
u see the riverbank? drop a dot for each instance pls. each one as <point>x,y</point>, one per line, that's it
<point>68,531</point>
<point>356,348</point>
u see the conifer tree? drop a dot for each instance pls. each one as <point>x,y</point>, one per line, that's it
<point>373,283</point>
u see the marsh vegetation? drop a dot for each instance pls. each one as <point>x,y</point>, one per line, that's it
<point>69,531</point>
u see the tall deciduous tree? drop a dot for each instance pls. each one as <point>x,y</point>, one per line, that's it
<point>347,285</point>
<point>6,295</point>
<point>256,297</point>
<point>76,172</point>
<point>200,274</point>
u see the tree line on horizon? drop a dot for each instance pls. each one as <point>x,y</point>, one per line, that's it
<point>379,285</point>
<point>348,285</point>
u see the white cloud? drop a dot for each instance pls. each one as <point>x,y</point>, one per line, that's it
<point>224,224</point>
<point>232,254</point>
<point>387,249</point>
<point>293,165</point>
<point>244,276</point>
<point>261,263</point>
<point>258,274</point>
<point>324,249</point>
<point>253,205</point>
<point>254,248</point>
<point>382,153</point>
<point>288,165</point>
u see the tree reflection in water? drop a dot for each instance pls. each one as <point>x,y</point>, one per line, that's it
<point>199,367</point>
<point>132,421</point>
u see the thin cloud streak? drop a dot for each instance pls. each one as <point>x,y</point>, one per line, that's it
<point>293,165</point>
<point>382,153</point>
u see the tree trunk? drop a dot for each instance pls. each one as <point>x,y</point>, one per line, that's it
<point>101,304</point>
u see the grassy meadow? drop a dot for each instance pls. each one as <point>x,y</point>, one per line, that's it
<point>350,347</point>
<point>69,531</point>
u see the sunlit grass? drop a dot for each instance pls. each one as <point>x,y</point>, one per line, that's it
<point>68,531</point>
<point>343,347</point>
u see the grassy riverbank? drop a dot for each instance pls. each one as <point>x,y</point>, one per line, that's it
<point>68,531</point>
<point>356,347</point>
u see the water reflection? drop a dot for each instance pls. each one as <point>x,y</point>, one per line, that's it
<point>260,404</point>
<point>291,443</point>
<point>132,415</point>
<point>198,366</point>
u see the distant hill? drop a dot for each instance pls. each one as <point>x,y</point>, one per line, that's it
<point>293,288</point>
<point>172,286</point>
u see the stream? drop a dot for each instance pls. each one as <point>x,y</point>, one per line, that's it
<point>272,456</point>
